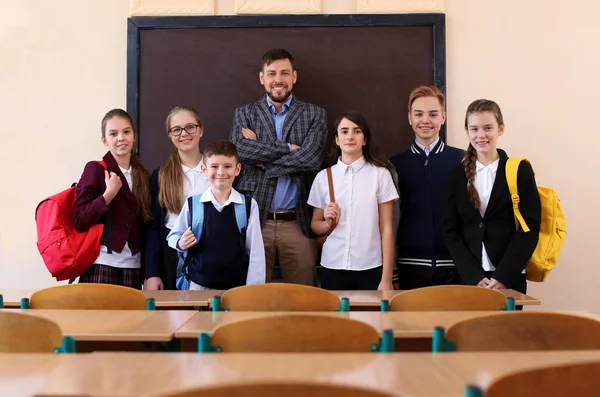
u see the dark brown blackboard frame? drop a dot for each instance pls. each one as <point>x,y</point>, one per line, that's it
<point>137,24</point>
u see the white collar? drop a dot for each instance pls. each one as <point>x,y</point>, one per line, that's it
<point>124,171</point>
<point>197,168</point>
<point>234,197</point>
<point>430,146</point>
<point>493,167</point>
<point>356,165</point>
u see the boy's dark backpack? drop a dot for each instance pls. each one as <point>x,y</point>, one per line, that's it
<point>66,252</point>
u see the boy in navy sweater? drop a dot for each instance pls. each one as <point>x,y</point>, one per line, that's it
<point>423,259</point>
<point>223,258</point>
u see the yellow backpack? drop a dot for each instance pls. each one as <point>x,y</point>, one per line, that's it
<point>553,227</point>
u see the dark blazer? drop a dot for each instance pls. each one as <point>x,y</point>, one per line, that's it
<point>90,207</point>
<point>156,235</point>
<point>306,126</point>
<point>465,229</point>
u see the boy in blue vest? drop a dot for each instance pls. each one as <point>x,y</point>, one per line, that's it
<point>423,259</point>
<point>224,256</point>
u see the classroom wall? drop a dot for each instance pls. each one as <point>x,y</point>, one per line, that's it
<point>63,66</point>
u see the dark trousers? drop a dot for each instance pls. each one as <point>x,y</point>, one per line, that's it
<point>415,276</point>
<point>332,279</point>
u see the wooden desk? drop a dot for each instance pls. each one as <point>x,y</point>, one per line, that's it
<point>372,299</point>
<point>117,325</point>
<point>182,299</point>
<point>404,324</point>
<point>141,374</point>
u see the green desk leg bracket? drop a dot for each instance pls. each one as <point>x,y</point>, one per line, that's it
<point>216,305</point>
<point>204,345</point>
<point>385,305</point>
<point>510,305</point>
<point>1,302</point>
<point>68,345</point>
<point>473,391</point>
<point>25,303</point>
<point>150,304</point>
<point>440,343</point>
<point>344,305</point>
<point>386,345</point>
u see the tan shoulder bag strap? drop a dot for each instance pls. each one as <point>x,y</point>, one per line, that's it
<point>331,199</point>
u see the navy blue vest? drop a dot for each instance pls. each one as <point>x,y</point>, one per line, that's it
<point>220,261</point>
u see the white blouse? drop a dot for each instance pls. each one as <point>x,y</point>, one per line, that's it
<point>483,183</point>
<point>194,182</point>
<point>359,188</point>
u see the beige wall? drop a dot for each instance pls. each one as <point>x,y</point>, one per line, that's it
<point>63,63</point>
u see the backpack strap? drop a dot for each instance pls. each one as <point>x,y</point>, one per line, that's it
<point>512,169</point>
<point>196,215</point>
<point>242,213</point>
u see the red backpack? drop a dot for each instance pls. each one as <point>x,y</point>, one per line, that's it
<point>66,252</point>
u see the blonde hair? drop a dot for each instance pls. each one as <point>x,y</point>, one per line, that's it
<point>170,174</point>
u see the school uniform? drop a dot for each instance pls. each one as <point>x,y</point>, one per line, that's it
<point>160,259</point>
<point>352,256</point>
<point>484,242</point>
<point>422,257</point>
<point>122,232</point>
<point>222,260</point>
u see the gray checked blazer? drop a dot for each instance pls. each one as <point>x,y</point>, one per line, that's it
<point>306,126</point>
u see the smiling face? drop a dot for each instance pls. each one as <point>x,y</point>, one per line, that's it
<point>187,139</point>
<point>278,78</point>
<point>221,170</point>
<point>119,137</point>
<point>483,131</point>
<point>426,117</point>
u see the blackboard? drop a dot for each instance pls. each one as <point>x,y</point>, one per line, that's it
<point>367,63</point>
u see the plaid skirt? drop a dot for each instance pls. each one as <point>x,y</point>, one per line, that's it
<point>102,274</point>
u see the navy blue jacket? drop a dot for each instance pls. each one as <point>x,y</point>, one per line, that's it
<point>421,181</point>
<point>156,237</point>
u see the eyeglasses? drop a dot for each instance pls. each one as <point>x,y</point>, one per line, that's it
<point>190,129</point>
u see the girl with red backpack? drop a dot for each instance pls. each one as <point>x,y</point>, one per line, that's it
<point>119,198</point>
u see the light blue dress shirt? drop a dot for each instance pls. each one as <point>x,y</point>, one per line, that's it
<point>286,193</point>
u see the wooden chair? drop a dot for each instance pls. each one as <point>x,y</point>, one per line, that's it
<point>277,390</point>
<point>279,297</point>
<point>448,298</point>
<point>525,331</point>
<point>578,379</point>
<point>89,296</point>
<point>295,333</point>
<point>23,333</point>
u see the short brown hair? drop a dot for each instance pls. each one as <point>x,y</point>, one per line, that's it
<point>426,91</point>
<point>221,147</point>
<point>275,55</point>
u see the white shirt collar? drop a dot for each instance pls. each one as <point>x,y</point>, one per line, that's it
<point>234,197</point>
<point>431,145</point>
<point>355,166</point>
<point>493,167</point>
<point>124,171</point>
<point>196,168</point>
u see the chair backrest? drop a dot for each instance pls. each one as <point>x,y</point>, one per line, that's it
<point>525,331</point>
<point>277,390</point>
<point>295,333</point>
<point>279,297</point>
<point>24,333</point>
<point>577,379</point>
<point>448,298</point>
<point>89,296</point>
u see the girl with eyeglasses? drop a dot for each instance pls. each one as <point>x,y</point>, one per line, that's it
<point>171,184</point>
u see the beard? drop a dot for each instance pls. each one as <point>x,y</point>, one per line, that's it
<point>281,98</point>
